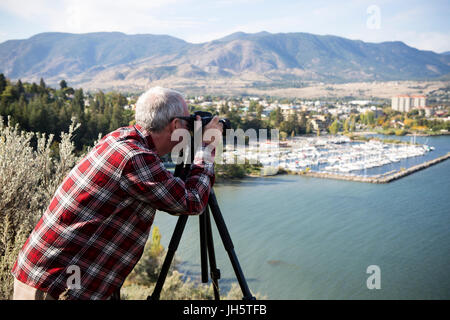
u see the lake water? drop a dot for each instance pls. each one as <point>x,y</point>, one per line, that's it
<point>308,238</point>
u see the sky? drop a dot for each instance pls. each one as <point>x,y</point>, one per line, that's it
<point>421,24</point>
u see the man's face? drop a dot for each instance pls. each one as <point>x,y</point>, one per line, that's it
<point>181,125</point>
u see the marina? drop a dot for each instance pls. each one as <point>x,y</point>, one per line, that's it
<point>383,178</point>
<point>338,157</point>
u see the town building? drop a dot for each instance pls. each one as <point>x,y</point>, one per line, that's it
<point>405,103</point>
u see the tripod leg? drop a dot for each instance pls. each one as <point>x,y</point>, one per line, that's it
<point>203,252</point>
<point>173,245</point>
<point>215,273</point>
<point>228,244</point>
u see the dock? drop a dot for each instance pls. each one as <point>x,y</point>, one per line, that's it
<point>383,178</point>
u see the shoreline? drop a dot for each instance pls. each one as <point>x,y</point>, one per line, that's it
<point>382,178</point>
<point>418,134</point>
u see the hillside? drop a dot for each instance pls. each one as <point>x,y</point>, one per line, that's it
<point>116,60</point>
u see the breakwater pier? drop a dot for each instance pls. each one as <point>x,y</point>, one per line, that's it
<point>383,178</point>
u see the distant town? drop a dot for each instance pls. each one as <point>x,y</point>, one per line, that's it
<point>402,112</point>
<point>41,108</point>
<point>324,137</point>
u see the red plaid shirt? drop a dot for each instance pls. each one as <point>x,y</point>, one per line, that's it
<point>100,217</point>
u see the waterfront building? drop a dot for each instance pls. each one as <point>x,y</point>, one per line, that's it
<point>405,103</point>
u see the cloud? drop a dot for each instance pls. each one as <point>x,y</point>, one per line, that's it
<point>89,15</point>
<point>434,41</point>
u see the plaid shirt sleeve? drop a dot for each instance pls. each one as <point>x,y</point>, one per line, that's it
<point>145,178</point>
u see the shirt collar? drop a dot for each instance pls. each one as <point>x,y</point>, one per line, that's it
<point>145,135</point>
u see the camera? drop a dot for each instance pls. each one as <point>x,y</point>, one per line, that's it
<point>205,117</point>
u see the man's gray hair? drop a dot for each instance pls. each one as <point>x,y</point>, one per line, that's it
<point>157,106</point>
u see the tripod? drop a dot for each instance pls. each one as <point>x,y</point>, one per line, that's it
<point>206,245</point>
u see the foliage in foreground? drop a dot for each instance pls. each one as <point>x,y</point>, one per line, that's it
<point>141,281</point>
<point>28,179</point>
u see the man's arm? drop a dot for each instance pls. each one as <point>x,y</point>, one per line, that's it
<point>145,178</point>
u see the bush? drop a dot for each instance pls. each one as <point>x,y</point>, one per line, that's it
<point>400,132</point>
<point>28,179</point>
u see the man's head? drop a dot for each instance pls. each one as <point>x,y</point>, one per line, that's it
<point>156,111</point>
<point>157,107</point>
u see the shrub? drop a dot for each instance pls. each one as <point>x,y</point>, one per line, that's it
<point>400,132</point>
<point>28,179</point>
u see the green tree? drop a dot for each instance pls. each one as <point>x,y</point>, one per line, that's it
<point>302,123</point>
<point>3,82</point>
<point>276,117</point>
<point>259,111</point>
<point>34,89</point>
<point>353,124</point>
<point>116,118</point>
<point>253,106</point>
<point>346,126</point>
<point>42,85</point>
<point>10,94</point>
<point>19,87</point>
<point>308,128</point>
<point>225,108</point>
<point>334,127</point>
<point>370,117</point>
<point>63,84</point>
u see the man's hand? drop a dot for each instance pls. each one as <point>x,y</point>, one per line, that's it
<point>212,132</point>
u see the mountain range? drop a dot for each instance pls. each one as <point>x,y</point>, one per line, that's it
<point>117,60</point>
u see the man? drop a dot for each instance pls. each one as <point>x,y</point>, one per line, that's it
<point>98,221</point>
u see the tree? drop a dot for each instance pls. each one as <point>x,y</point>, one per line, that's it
<point>346,125</point>
<point>353,124</point>
<point>334,127</point>
<point>2,82</point>
<point>224,109</point>
<point>276,117</point>
<point>302,123</point>
<point>42,85</point>
<point>308,128</point>
<point>19,87</point>
<point>370,117</point>
<point>63,84</point>
<point>10,94</point>
<point>253,106</point>
<point>100,98</point>
<point>116,118</point>
<point>259,111</point>
<point>293,122</point>
<point>34,89</point>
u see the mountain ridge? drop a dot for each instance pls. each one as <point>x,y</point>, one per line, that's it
<point>115,58</point>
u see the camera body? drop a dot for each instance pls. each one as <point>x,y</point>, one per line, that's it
<point>205,117</point>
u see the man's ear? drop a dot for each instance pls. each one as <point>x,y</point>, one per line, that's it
<point>174,124</point>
